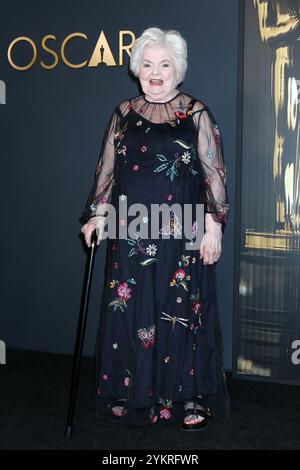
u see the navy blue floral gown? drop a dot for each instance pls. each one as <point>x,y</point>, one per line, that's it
<point>159,341</point>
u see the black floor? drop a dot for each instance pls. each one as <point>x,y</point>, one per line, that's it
<point>34,391</point>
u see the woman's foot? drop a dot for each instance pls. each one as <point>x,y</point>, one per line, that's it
<point>195,415</point>
<point>118,408</point>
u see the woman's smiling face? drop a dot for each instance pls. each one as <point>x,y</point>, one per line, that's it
<point>157,73</point>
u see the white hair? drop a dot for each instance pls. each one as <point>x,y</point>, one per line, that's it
<point>171,39</point>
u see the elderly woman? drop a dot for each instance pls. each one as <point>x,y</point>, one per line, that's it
<point>159,346</point>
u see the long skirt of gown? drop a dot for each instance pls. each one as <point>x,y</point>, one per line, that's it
<point>159,341</point>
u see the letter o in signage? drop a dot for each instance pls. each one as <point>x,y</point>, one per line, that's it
<point>15,41</point>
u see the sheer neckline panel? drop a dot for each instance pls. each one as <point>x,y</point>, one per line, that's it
<point>161,113</point>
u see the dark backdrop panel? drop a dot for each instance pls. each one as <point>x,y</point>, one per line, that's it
<point>51,131</point>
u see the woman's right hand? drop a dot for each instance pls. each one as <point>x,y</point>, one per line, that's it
<point>95,223</point>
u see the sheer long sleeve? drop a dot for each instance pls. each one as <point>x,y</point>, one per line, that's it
<point>100,193</point>
<point>211,155</point>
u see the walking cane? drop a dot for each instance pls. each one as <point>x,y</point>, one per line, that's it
<point>80,334</point>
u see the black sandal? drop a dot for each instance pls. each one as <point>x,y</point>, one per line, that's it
<point>195,409</point>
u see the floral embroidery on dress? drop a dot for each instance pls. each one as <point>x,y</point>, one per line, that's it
<point>147,336</point>
<point>222,212</point>
<point>182,113</point>
<point>123,293</point>
<point>172,166</point>
<point>118,137</point>
<point>139,247</point>
<point>196,307</point>
<point>161,410</point>
<point>180,276</point>
<point>217,134</point>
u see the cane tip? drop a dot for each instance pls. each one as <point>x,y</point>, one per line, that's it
<point>68,431</point>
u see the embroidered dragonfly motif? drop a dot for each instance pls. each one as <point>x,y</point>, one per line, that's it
<point>173,319</point>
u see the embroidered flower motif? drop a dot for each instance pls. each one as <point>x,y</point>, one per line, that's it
<point>119,135</point>
<point>151,250</point>
<point>145,220</point>
<point>210,154</point>
<point>169,197</point>
<point>182,113</point>
<point>123,293</point>
<point>147,336</point>
<point>192,372</point>
<point>186,157</point>
<point>126,381</point>
<point>143,148</point>
<point>164,413</point>
<point>165,408</point>
<point>196,307</point>
<point>139,123</point>
<point>194,260</point>
<point>116,265</point>
<point>172,166</point>
<point>167,359</point>
<point>180,277</point>
<point>222,212</point>
<point>139,248</point>
<point>192,326</point>
<point>105,377</point>
<point>179,300</point>
<point>218,138</point>
<point>123,197</point>
<point>115,345</point>
<point>136,167</point>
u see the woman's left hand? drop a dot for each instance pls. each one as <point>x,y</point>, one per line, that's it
<point>211,246</point>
